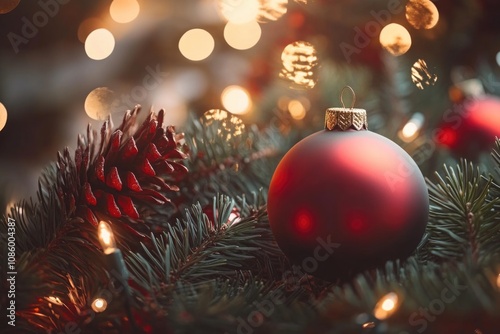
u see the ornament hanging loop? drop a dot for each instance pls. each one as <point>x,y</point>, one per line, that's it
<point>342,96</point>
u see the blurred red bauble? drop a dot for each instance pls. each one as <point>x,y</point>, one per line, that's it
<point>470,128</point>
<point>345,199</point>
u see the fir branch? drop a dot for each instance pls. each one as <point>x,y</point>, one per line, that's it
<point>227,157</point>
<point>462,216</point>
<point>199,249</point>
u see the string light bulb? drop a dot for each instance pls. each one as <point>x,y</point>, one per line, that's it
<point>386,306</point>
<point>106,238</point>
<point>99,305</point>
<point>412,128</point>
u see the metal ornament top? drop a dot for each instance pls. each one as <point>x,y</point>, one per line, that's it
<point>346,118</point>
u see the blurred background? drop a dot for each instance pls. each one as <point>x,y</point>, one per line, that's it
<point>414,65</point>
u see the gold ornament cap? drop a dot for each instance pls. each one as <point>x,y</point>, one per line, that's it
<point>346,118</point>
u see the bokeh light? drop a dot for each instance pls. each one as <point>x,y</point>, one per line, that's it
<point>124,11</point>
<point>395,39</point>
<point>87,26</point>
<point>422,14</point>
<point>196,44</point>
<point>412,128</point>
<point>227,125</point>
<point>386,306</point>
<point>498,58</point>
<point>239,11</point>
<point>99,44</point>
<point>236,99</point>
<point>298,108</point>
<point>3,116</point>
<point>271,10</point>
<point>100,103</point>
<point>99,305</point>
<point>8,5</point>
<point>498,281</point>
<point>300,62</point>
<point>421,75</point>
<point>242,36</point>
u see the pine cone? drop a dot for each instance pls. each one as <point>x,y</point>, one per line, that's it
<point>130,168</point>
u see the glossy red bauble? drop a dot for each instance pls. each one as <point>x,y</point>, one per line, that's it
<point>341,202</point>
<point>470,129</point>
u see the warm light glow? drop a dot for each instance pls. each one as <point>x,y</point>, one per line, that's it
<point>272,10</point>
<point>196,44</point>
<point>242,36</point>
<point>99,305</point>
<point>8,5</point>
<point>99,44</point>
<point>100,103</point>
<point>299,64</point>
<point>239,11</point>
<point>124,11</point>
<point>227,125</point>
<point>370,324</point>
<point>386,306</point>
<point>498,280</point>
<point>297,109</point>
<point>421,75</point>
<point>3,116</point>
<point>106,238</point>
<point>54,300</point>
<point>395,39</point>
<point>412,127</point>
<point>236,100</point>
<point>422,14</point>
<point>87,26</point>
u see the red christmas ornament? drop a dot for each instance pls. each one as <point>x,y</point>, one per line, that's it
<point>470,129</point>
<point>345,199</point>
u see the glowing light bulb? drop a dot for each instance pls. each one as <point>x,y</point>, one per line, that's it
<point>395,39</point>
<point>99,305</point>
<point>54,300</point>
<point>196,44</point>
<point>99,44</point>
<point>106,238</point>
<point>242,36</point>
<point>236,99</point>
<point>7,6</point>
<point>412,127</point>
<point>498,280</point>
<point>386,306</point>
<point>3,116</point>
<point>100,103</point>
<point>124,11</point>
<point>239,11</point>
<point>422,14</point>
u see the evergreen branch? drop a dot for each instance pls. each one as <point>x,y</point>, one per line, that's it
<point>462,215</point>
<point>199,249</point>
